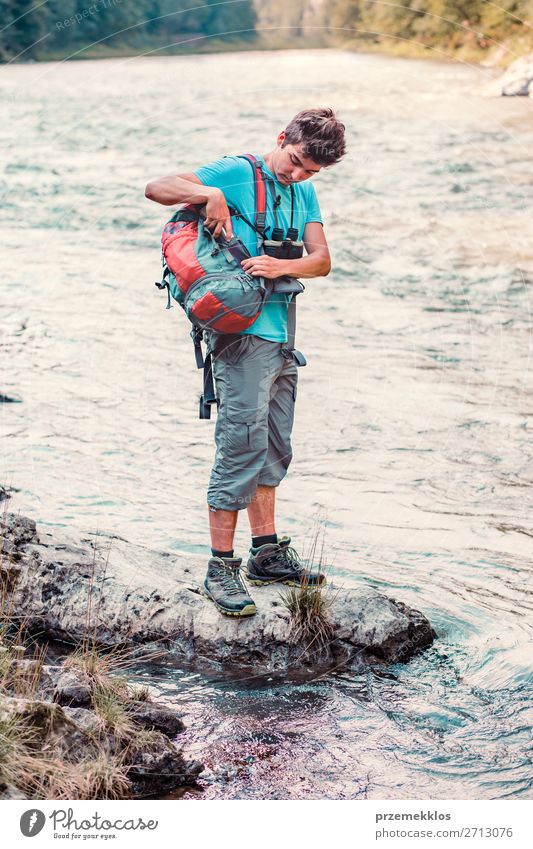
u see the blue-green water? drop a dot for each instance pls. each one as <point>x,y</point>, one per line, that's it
<point>425,730</point>
<point>413,432</point>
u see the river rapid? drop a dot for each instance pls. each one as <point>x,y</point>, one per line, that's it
<point>412,441</point>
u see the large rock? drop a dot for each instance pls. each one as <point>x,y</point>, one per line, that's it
<point>517,79</point>
<point>157,717</point>
<point>133,595</point>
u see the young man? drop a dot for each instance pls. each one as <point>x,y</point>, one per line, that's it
<point>255,374</point>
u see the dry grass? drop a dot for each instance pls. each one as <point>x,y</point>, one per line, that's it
<point>309,606</point>
<point>39,776</point>
<point>143,739</point>
<point>105,777</point>
<point>114,715</point>
<point>20,676</point>
<point>102,669</point>
<point>140,693</point>
<point>36,774</point>
<point>111,694</point>
<point>21,658</point>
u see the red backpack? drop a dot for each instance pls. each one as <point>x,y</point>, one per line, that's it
<point>204,275</point>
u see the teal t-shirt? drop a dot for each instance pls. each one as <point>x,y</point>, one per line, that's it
<point>234,177</point>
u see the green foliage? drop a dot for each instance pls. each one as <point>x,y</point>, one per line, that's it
<point>238,18</point>
<point>27,28</point>
<point>35,30</point>
<point>449,24</point>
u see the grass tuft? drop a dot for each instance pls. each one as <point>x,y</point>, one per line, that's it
<point>111,710</point>
<point>310,606</point>
<point>140,693</point>
<point>106,777</point>
<point>37,774</point>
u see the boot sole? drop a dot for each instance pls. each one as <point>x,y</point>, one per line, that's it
<point>249,610</point>
<point>260,582</point>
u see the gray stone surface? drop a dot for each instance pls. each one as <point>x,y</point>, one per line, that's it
<point>131,594</point>
<point>72,691</point>
<point>157,717</point>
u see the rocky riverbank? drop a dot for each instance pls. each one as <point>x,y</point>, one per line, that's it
<point>130,595</point>
<point>73,739</point>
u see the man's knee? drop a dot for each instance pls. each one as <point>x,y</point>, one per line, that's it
<point>275,467</point>
<point>230,497</point>
<point>227,502</point>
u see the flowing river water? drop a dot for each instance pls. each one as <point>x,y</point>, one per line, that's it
<point>412,439</point>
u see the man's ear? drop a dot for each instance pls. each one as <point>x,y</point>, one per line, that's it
<point>281,138</point>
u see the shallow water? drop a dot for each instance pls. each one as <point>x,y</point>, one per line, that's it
<point>414,415</point>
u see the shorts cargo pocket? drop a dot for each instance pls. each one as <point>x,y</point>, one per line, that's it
<point>237,436</point>
<point>246,401</point>
<point>246,433</point>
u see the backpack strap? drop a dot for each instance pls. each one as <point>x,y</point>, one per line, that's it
<point>208,396</point>
<point>288,349</point>
<point>164,284</point>
<point>260,198</point>
<point>290,286</point>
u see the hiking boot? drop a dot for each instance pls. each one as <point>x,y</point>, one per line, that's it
<point>224,587</point>
<point>278,562</point>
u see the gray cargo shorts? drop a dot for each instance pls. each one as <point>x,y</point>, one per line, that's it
<point>255,387</point>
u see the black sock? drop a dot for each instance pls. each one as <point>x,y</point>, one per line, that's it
<point>257,541</point>
<point>216,553</point>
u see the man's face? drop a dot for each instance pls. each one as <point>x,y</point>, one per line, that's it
<point>290,165</point>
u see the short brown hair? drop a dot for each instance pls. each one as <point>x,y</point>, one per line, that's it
<point>319,133</point>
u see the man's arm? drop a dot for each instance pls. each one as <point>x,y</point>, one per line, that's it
<point>187,188</point>
<point>317,263</point>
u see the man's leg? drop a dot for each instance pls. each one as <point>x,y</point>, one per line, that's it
<point>223,584</point>
<point>261,511</point>
<point>222,525</point>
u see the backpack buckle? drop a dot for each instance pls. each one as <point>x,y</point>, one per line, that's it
<point>293,354</point>
<point>163,284</point>
<point>205,408</point>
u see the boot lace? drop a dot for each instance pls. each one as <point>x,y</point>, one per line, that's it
<point>230,580</point>
<point>288,556</point>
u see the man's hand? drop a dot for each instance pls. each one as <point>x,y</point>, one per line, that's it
<point>265,266</point>
<point>187,188</point>
<point>217,214</point>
